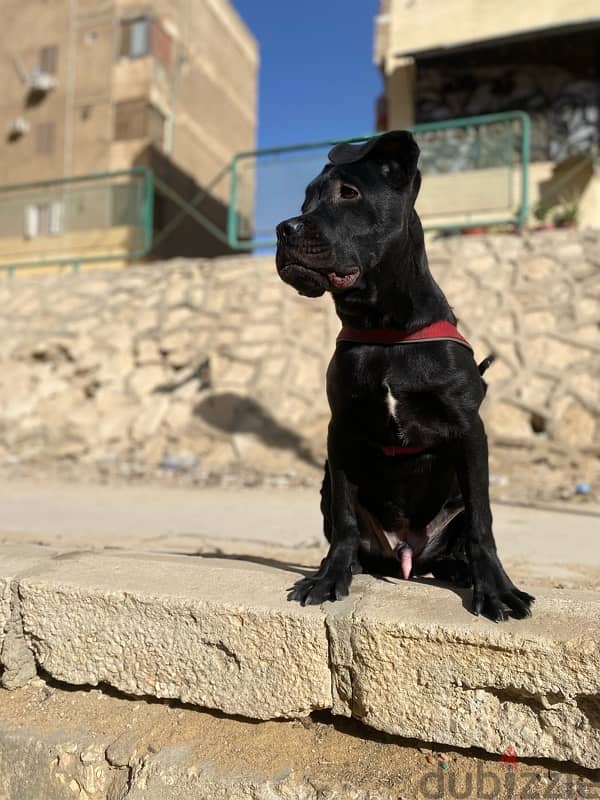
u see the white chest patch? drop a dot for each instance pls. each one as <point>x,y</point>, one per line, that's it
<point>390,401</point>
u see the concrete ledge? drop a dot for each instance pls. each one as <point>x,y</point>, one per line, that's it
<point>405,658</point>
<point>4,608</point>
<point>17,665</point>
<point>216,633</point>
<point>14,561</point>
<point>422,667</point>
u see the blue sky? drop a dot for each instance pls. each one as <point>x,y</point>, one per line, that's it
<point>317,79</point>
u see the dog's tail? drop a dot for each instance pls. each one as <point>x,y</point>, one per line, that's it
<point>486,363</point>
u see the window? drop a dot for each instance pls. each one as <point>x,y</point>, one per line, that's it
<point>43,219</point>
<point>45,135</point>
<point>138,43</point>
<point>137,119</point>
<point>131,119</point>
<point>135,38</point>
<point>49,59</point>
<point>142,36</point>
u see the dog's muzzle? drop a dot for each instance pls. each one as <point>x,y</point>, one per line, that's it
<point>304,259</point>
<point>289,228</point>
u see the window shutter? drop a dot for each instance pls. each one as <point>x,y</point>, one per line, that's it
<point>45,138</point>
<point>160,44</point>
<point>30,222</point>
<point>49,59</point>
<point>124,44</point>
<point>56,219</point>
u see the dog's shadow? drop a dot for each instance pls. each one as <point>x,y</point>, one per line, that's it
<point>234,413</point>
<point>274,563</point>
<point>465,594</point>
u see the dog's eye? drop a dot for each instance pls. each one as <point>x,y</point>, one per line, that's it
<point>348,192</point>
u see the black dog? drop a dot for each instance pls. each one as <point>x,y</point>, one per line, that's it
<point>406,480</point>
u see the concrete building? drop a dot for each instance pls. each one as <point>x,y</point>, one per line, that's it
<point>446,59</point>
<point>94,86</point>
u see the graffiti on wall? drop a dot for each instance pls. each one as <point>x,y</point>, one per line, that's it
<point>564,110</point>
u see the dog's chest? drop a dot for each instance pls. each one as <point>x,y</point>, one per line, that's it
<point>390,401</point>
<point>364,388</point>
<point>393,412</point>
<point>380,409</point>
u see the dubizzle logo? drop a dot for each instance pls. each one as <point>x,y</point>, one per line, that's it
<point>509,756</point>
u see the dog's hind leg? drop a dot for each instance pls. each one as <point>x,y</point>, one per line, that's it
<point>451,563</point>
<point>453,570</point>
<point>374,564</point>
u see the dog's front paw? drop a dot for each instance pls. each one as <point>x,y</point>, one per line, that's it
<point>494,594</point>
<point>329,583</point>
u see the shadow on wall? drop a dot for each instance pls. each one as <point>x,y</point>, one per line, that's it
<point>233,413</point>
<point>189,239</point>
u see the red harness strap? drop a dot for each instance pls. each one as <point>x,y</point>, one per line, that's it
<point>441,331</point>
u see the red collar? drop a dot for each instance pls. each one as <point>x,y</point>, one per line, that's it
<point>441,331</point>
<point>394,450</point>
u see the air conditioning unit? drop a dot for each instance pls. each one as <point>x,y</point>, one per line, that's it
<point>41,81</point>
<point>19,127</point>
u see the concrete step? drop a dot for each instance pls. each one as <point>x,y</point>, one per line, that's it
<point>405,658</point>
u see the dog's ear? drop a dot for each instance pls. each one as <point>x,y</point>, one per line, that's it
<point>397,152</point>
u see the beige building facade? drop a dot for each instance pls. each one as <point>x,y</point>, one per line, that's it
<point>449,59</point>
<point>97,86</point>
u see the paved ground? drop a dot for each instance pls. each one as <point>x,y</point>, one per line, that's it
<point>536,544</point>
<point>127,516</point>
<point>180,752</point>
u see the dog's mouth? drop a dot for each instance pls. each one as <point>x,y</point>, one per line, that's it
<point>307,281</point>
<point>345,280</point>
<point>320,277</point>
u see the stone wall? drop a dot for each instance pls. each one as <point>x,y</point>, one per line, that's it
<point>535,302</point>
<point>216,367</point>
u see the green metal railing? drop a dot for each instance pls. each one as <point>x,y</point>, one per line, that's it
<point>486,156</point>
<point>268,185</point>
<point>67,222</point>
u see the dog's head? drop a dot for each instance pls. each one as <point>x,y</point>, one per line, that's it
<point>359,208</point>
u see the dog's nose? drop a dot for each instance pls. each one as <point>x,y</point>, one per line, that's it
<point>289,228</point>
